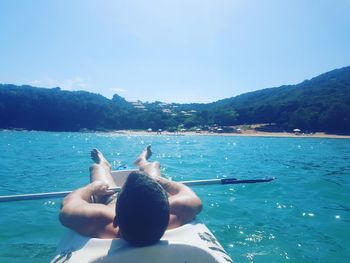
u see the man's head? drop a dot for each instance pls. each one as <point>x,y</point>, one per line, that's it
<point>142,211</point>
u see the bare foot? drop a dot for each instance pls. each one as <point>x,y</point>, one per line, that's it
<point>98,158</point>
<point>142,160</point>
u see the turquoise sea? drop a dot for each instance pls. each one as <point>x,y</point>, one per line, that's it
<point>303,216</point>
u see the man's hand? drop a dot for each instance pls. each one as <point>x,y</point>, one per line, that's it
<point>99,188</point>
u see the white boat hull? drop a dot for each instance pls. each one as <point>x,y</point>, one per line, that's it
<point>189,243</point>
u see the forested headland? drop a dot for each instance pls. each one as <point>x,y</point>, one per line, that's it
<point>319,104</point>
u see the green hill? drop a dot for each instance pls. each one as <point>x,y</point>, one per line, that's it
<point>54,109</point>
<point>319,104</point>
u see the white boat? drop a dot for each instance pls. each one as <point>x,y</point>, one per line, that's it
<point>192,242</point>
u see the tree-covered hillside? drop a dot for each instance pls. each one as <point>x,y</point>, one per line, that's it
<point>319,104</point>
<point>54,109</point>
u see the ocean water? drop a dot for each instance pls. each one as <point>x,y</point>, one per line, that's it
<point>303,216</point>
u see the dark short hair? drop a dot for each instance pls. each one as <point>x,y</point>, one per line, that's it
<point>142,210</point>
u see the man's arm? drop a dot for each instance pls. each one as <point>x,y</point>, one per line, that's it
<point>89,219</point>
<point>184,203</point>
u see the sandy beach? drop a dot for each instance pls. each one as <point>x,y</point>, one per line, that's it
<point>246,133</point>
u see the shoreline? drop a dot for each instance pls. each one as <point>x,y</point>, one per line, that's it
<point>244,133</point>
<point>249,133</point>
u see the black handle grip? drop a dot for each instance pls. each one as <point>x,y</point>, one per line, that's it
<point>250,181</point>
<point>228,180</point>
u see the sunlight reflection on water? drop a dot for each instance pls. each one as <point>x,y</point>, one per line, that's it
<point>303,216</point>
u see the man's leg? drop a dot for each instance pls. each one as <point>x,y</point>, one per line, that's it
<point>150,168</point>
<point>101,171</point>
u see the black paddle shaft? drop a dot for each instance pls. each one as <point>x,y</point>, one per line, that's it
<point>250,181</point>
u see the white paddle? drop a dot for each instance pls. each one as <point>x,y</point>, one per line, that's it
<point>9,198</point>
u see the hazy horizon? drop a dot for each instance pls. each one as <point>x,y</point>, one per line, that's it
<point>173,51</point>
<point>170,102</point>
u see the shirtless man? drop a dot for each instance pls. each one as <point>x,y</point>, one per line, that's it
<point>147,205</point>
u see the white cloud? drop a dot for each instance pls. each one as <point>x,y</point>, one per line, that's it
<point>118,90</point>
<point>75,83</point>
<point>35,82</point>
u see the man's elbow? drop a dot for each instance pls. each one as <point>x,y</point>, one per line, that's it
<point>64,217</point>
<point>199,206</point>
<point>187,211</point>
<point>67,214</point>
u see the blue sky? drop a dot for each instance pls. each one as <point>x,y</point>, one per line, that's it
<point>172,51</point>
